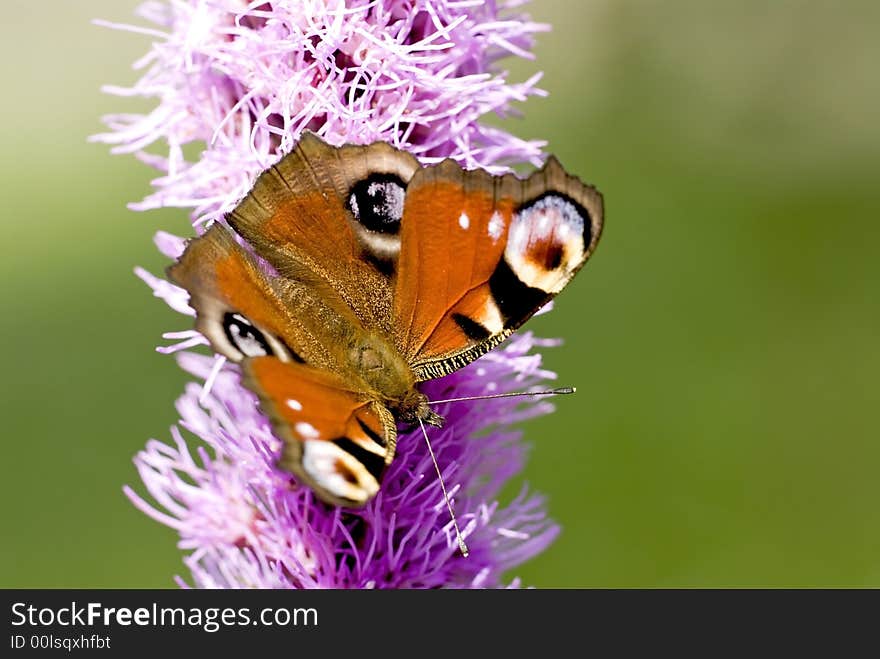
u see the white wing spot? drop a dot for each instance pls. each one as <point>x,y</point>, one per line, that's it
<point>544,224</point>
<point>294,404</point>
<point>392,194</point>
<point>518,240</point>
<point>306,430</point>
<point>496,225</point>
<point>464,221</point>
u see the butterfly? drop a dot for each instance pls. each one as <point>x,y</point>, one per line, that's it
<point>349,274</point>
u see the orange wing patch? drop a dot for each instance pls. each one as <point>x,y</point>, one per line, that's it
<point>337,442</point>
<point>453,237</point>
<point>246,288</point>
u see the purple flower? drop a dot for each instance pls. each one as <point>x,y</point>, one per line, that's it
<point>244,80</point>
<point>247,78</point>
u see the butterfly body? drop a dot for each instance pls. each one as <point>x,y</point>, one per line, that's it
<point>349,274</point>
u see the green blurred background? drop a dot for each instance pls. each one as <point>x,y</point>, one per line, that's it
<point>724,340</point>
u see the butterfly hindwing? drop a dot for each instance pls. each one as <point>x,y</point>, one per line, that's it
<point>335,440</point>
<point>480,254</point>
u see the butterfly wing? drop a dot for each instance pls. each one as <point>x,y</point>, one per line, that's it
<point>480,254</point>
<point>333,212</point>
<point>290,338</point>
<point>336,442</point>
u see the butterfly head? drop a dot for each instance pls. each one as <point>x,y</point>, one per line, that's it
<point>414,407</point>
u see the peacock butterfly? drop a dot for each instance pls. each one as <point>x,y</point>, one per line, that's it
<point>349,274</point>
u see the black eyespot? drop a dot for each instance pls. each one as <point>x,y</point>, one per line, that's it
<point>377,202</point>
<point>244,336</point>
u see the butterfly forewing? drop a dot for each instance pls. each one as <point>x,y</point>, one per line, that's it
<point>333,213</point>
<point>480,254</point>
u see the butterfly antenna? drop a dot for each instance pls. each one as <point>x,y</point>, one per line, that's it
<point>548,392</point>
<point>462,547</point>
